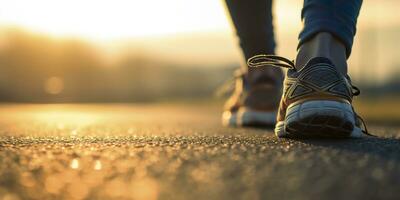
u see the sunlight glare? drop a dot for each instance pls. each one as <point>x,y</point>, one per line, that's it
<point>114,19</point>
<point>62,118</point>
<point>54,85</point>
<point>74,163</point>
<point>97,165</point>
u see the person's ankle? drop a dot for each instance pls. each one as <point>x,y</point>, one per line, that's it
<point>323,45</point>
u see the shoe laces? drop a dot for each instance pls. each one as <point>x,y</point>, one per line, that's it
<point>265,60</point>
<point>356,91</point>
<point>260,60</point>
<point>364,128</point>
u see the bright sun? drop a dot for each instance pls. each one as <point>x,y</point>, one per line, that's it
<point>105,19</point>
<point>114,19</point>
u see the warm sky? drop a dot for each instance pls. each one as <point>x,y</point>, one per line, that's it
<point>110,20</point>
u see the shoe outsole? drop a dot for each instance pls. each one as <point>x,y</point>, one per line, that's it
<point>319,119</point>
<point>248,117</point>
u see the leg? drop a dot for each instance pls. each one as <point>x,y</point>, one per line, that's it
<point>257,91</point>
<point>252,20</point>
<point>317,100</point>
<point>329,29</point>
<point>323,44</point>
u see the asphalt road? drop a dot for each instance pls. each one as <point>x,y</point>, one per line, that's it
<point>181,152</point>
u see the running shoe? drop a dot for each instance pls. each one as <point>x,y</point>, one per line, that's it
<point>316,100</point>
<point>255,98</point>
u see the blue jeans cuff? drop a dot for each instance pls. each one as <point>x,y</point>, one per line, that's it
<point>338,30</point>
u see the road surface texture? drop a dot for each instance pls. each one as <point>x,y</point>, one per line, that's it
<point>181,152</point>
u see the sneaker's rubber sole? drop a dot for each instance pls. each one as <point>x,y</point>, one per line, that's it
<point>248,117</point>
<point>319,118</point>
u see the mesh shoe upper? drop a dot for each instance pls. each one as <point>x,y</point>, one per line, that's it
<point>317,98</point>
<point>257,89</point>
<point>317,80</point>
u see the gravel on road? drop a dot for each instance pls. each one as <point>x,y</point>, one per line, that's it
<point>171,151</point>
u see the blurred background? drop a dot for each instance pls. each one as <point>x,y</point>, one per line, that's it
<point>62,51</point>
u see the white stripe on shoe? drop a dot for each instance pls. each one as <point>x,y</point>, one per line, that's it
<point>319,118</point>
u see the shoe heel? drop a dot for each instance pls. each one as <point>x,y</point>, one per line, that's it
<point>319,118</point>
<point>247,117</point>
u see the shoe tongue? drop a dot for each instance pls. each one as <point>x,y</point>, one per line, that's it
<point>318,60</point>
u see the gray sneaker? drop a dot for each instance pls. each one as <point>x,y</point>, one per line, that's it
<point>255,99</point>
<point>316,101</point>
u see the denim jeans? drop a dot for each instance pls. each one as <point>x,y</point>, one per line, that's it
<point>253,22</point>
